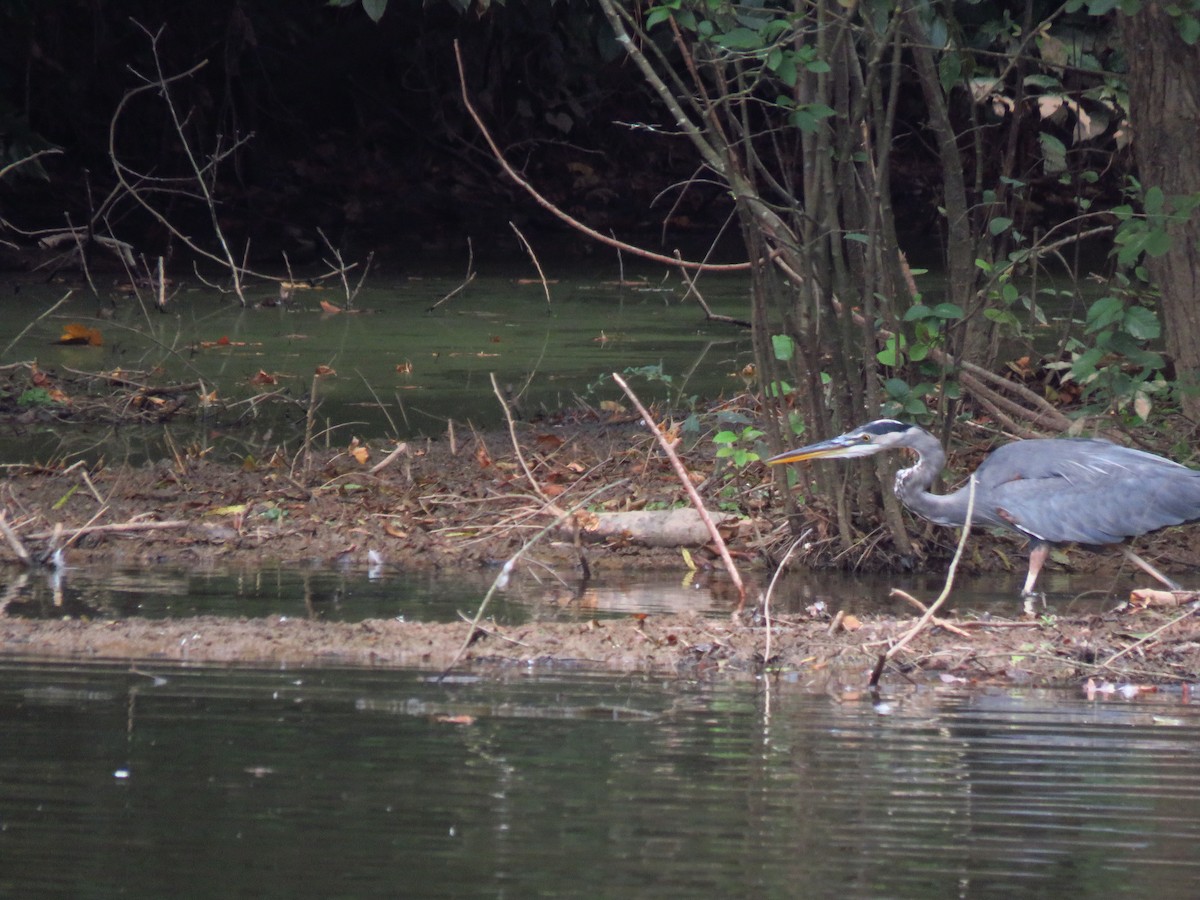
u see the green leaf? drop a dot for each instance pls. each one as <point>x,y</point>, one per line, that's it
<point>1142,323</point>
<point>374,9</point>
<point>1001,317</point>
<point>896,388</point>
<point>1157,242</point>
<point>725,437</point>
<point>1043,82</point>
<point>1189,29</point>
<point>740,39</point>
<point>1105,312</point>
<point>783,346</point>
<point>1154,201</point>
<point>999,224</point>
<point>859,237</point>
<point>786,71</point>
<point>656,15</point>
<point>949,71</point>
<point>917,312</point>
<point>948,311</point>
<point>892,353</point>
<point>1054,154</point>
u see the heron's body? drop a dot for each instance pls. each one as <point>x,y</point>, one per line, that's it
<point>1054,490</point>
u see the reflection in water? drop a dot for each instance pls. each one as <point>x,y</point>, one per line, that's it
<point>350,595</point>
<point>377,590</point>
<point>359,783</point>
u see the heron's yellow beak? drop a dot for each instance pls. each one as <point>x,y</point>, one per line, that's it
<point>834,448</point>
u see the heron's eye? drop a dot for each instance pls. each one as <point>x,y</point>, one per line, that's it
<point>866,438</point>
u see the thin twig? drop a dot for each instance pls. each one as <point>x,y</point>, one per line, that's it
<point>560,214</point>
<point>466,281</point>
<point>677,464</point>
<point>501,580</point>
<point>771,589</point>
<point>475,626</point>
<point>1155,633</point>
<point>512,433</point>
<point>537,265</point>
<point>709,315</point>
<point>942,597</point>
<point>25,330</point>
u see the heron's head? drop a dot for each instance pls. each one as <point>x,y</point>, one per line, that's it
<point>865,440</point>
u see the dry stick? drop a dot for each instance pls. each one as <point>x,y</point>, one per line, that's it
<point>25,330</point>
<point>362,277</point>
<point>669,449</point>
<point>1155,633</point>
<point>162,286</point>
<point>560,214</point>
<point>79,532</point>
<point>942,597</point>
<point>401,450</point>
<point>82,467</point>
<point>475,626</point>
<point>771,588</point>
<point>310,419</point>
<point>26,159</point>
<point>709,315</point>
<point>537,265</point>
<point>921,607</point>
<point>117,528</point>
<point>13,541</point>
<point>162,83</point>
<point>501,580</point>
<point>512,433</point>
<point>470,277</point>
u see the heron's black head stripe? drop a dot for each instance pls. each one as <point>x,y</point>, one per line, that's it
<point>885,426</point>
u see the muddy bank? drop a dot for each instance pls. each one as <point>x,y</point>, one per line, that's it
<point>1142,648</point>
<point>470,504</point>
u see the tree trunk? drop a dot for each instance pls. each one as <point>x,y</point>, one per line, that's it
<point>1164,106</point>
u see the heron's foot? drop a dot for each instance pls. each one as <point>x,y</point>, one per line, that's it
<point>1030,601</point>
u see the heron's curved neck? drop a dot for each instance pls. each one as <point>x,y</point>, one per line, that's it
<point>912,485</point>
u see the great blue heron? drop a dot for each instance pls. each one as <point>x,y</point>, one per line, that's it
<point>1052,490</point>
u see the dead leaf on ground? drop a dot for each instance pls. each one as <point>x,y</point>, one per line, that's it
<point>360,453</point>
<point>77,334</point>
<point>263,377</point>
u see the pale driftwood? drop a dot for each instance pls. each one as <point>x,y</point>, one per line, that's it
<point>115,528</point>
<point>683,527</point>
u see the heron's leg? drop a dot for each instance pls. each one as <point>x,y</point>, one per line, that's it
<point>1038,554</point>
<point>1150,570</point>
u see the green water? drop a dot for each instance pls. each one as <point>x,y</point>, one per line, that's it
<point>236,783</point>
<point>402,369</point>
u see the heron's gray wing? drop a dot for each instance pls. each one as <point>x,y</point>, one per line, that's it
<point>1085,490</point>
